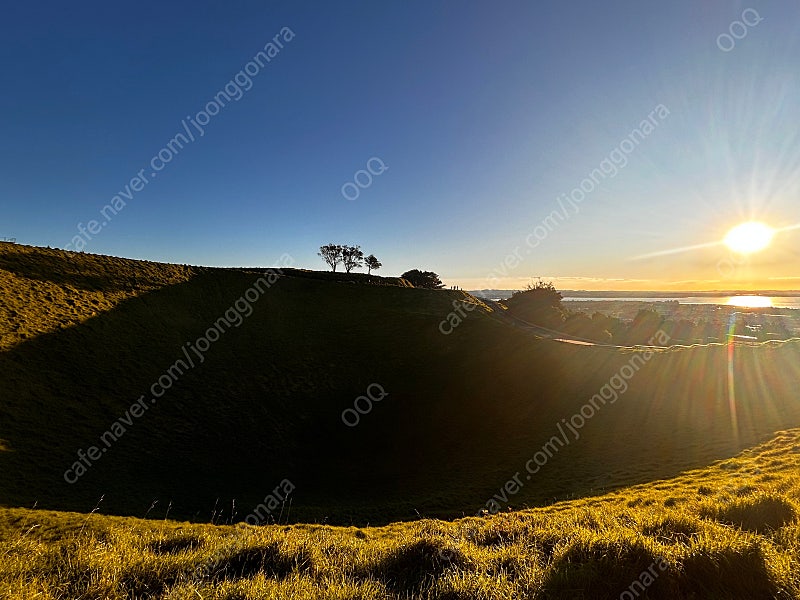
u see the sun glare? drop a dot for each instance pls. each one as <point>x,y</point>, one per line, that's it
<point>748,238</point>
<point>750,301</point>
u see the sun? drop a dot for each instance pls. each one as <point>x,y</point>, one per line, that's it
<point>749,237</point>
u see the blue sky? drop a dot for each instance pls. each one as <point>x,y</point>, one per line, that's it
<point>484,113</point>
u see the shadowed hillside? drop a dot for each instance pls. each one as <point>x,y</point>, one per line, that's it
<point>463,414</point>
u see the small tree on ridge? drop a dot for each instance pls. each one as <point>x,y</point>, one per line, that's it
<point>352,257</point>
<point>372,263</point>
<point>331,254</point>
<point>423,279</point>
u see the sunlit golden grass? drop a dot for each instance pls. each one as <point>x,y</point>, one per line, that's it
<point>727,531</point>
<point>44,290</point>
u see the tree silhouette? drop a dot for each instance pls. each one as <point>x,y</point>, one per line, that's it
<point>372,263</point>
<point>539,303</point>
<point>352,257</point>
<point>331,254</point>
<point>540,293</point>
<point>423,279</point>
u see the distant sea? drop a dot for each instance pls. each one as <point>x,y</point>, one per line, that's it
<point>774,301</point>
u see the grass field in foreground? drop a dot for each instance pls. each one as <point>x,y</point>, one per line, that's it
<point>728,531</point>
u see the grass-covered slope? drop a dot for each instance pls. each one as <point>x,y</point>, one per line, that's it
<point>46,290</point>
<point>728,531</point>
<point>463,415</point>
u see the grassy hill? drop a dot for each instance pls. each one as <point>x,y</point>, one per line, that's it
<point>729,530</point>
<point>85,337</point>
